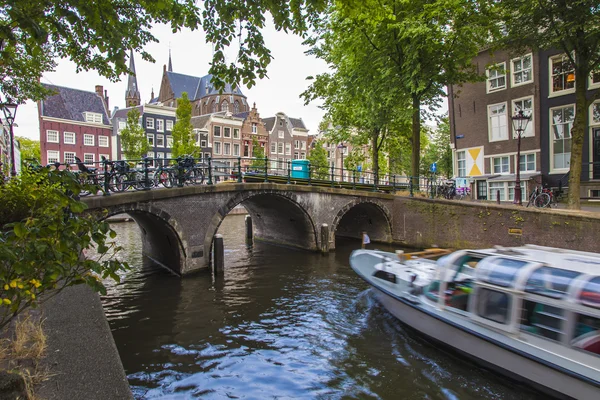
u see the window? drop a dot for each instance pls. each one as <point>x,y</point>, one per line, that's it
<point>246,149</point>
<point>94,118</point>
<point>227,149</point>
<point>296,155</point>
<point>52,136</point>
<point>236,149</point>
<point>461,163</point>
<point>280,123</point>
<point>150,123</point>
<point>69,137</point>
<point>288,149</point>
<point>203,143</point>
<point>213,107</point>
<point>88,158</point>
<point>497,122</point>
<point>280,134</point>
<point>160,140</point>
<point>160,125</point>
<point>53,156</point>
<point>586,329</point>
<point>493,305</point>
<point>69,157</point>
<point>273,147</point>
<point>511,191</point>
<point>527,162</point>
<point>595,113</point>
<point>236,133</point>
<point>217,147</point>
<point>216,131</point>
<point>169,141</point>
<point>296,144</point>
<point>561,124</point>
<point>224,106</point>
<point>526,105</point>
<point>151,140</point>
<point>522,70</point>
<point>496,78</point>
<point>160,155</point>
<point>494,188</point>
<point>280,148</point>
<point>88,140</point>
<point>500,165</point>
<point>236,107</point>
<point>563,74</point>
<point>169,125</point>
<point>103,141</point>
<point>542,320</point>
<point>122,125</point>
<point>227,132</point>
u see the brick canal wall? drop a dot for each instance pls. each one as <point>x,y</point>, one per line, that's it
<point>420,222</point>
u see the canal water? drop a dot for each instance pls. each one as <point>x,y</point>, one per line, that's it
<point>279,324</point>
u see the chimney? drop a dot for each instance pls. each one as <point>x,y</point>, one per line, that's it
<point>106,101</point>
<point>99,90</point>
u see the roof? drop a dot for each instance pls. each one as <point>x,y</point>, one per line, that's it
<point>70,104</point>
<point>196,87</point>
<point>297,123</point>
<point>200,121</point>
<point>269,122</point>
<point>122,112</point>
<point>242,115</point>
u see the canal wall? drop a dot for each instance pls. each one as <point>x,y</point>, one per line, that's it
<point>420,222</point>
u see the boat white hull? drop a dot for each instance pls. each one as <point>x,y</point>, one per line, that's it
<point>486,352</point>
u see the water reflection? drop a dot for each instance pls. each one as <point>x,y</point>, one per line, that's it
<point>279,323</point>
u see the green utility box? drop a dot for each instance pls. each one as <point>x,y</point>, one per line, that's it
<point>300,169</point>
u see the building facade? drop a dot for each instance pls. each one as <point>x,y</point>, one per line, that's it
<point>74,123</point>
<point>288,140</point>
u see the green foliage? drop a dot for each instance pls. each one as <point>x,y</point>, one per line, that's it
<point>258,156</point>
<point>30,150</point>
<point>133,137</point>
<point>184,142</point>
<point>438,150</point>
<point>44,237</point>
<point>318,161</point>
<point>98,35</point>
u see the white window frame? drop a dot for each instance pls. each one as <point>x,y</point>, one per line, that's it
<point>530,129</point>
<point>226,132</point>
<point>169,141</point>
<point>502,165</point>
<point>88,140</point>
<point>551,139</point>
<point>462,160</point>
<point>215,130</point>
<point>72,136</point>
<point>160,138</point>
<point>273,147</point>
<point>280,148</point>
<point>236,133</point>
<point>149,123</point>
<point>534,162</point>
<point>49,134</point>
<point>121,126</point>
<point>69,156</point>
<point>103,141</point>
<point>160,125</point>
<point>202,143</point>
<point>489,123</point>
<point>288,149</point>
<point>217,148</point>
<point>150,137</point>
<point>513,72</point>
<point>236,149</point>
<point>226,149</point>
<point>254,127</point>
<point>92,158</point>
<point>169,124</point>
<point>494,73</point>
<point>52,156</point>
<point>551,91</point>
<point>93,118</point>
<point>591,113</point>
<point>280,134</point>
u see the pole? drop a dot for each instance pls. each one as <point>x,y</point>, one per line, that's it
<point>342,173</point>
<point>13,168</point>
<point>218,254</point>
<point>517,199</point>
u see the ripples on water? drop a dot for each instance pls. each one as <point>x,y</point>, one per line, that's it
<point>279,323</point>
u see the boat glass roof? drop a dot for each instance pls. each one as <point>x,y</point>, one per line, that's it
<point>499,271</point>
<point>590,295</point>
<point>550,282</point>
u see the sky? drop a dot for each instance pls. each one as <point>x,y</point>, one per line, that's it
<point>191,56</point>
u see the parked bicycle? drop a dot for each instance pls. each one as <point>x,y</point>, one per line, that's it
<point>541,198</point>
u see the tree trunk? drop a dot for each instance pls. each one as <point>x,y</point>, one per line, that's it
<point>375,154</point>
<point>577,135</point>
<point>416,139</point>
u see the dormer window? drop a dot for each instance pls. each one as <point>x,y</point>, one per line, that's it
<point>91,117</point>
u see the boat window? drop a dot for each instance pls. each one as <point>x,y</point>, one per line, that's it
<point>385,275</point>
<point>550,282</point>
<point>500,271</point>
<point>590,295</point>
<point>493,305</point>
<point>542,320</point>
<point>587,334</point>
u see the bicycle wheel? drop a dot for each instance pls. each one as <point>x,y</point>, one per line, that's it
<point>118,183</point>
<point>531,200</point>
<point>163,178</point>
<point>197,176</point>
<point>542,200</point>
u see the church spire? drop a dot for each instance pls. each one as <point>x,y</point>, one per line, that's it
<point>132,94</point>
<point>170,63</point>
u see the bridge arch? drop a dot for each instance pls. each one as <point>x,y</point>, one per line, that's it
<point>161,234</point>
<point>278,217</point>
<point>363,215</point>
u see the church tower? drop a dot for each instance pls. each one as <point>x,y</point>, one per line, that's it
<point>132,94</point>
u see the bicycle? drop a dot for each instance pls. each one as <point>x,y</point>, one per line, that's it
<point>541,199</point>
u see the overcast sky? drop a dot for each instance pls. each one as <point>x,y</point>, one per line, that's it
<point>191,56</point>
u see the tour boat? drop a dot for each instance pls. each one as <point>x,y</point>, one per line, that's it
<point>530,312</point>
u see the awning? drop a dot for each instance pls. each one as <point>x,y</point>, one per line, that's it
<point>513,177</point>
<point>482,177</point>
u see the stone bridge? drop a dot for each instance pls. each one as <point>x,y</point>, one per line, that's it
<point>178,225</point>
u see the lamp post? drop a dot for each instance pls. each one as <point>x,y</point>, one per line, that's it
<point>342,146</point>
<point>520,122</point>
<point>10,110</point>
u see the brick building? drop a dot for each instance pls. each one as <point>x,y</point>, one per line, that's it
<point>288,139</point>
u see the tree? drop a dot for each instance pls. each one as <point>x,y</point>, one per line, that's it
<point>44,236</point>
<point>318,160</point>
<point>134,142</point>
<point>30,150</point>
<point>571,26</point>
<point>438,150</point>
<point>258,156</point>
<point>184,142</point>
<point>98,36</point>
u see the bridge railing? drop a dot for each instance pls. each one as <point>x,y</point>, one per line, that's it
<point>112,176</point>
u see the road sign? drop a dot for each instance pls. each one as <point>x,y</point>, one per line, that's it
<point>359,168</point>
<point>433,167</point>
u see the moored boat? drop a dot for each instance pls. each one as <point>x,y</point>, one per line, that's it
<point>531,312</point>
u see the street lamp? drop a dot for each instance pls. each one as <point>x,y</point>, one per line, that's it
<point>520,122</point>
<point>10,110</point>
<point>342,146</point>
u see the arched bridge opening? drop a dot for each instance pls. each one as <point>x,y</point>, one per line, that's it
<point>159,240</point>
<point>360,217</point>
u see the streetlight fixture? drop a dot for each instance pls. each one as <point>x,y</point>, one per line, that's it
<point>342,146</point>
<point>10,111</point>
<point>520,122</point>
